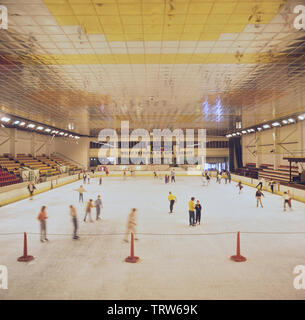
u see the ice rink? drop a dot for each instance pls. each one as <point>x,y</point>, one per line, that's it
<point>176,261</point>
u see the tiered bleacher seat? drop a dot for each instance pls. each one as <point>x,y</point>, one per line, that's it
<point>7,178</point>
<point>64,162</point>
<point>7,162</point>
<point>281,174</point>
<point>32,163</point>
<point>249,170</point>
<point>49,162</point>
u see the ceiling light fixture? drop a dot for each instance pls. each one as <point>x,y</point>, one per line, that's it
<point>266,126</point>
<point>31,125</point>
<point>276,124</point>
<point>5,119</point>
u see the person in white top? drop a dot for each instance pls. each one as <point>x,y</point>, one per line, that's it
<point>286,198</point>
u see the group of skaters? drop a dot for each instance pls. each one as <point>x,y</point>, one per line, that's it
<point>287,196</point>
<point>223,175</point>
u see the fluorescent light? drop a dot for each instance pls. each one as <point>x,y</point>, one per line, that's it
<point>290,120</point>
<point>39,128</point>
<point>31,125</point>
<point>234,134</point>
<point>22,123</point>
<point>244,132</point>
<point>61,133</point>
<point>266,126</point>
<point>276,124</point>
<point>301,116</point>
<point>76,137</point>
<point>259,129</point>
<point>16,122</point>
<point>65,134</point>
<point>285,121</point>
<point>238,133</point>
<point>5,119</point>
<point>228,135</point>
<point>48,130</point>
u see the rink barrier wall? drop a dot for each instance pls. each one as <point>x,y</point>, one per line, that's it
<point>22,193</point>
<point>297,194</point>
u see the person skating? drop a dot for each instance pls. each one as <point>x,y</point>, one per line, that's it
<point>131,226</point>
<point>260,184</point>
<point>272,183</point>
<point>286,198</point>
<point>219,177</point>
<point>88,178</point>
<point>124,174</point>
<point>173,179</point>
<point>81,191</point>
<point>240,186</point>
<point>229,176</point>
<point>98,206</point>
<point>42,217</point>
<point>100,181</point>
<point>89,206</point>
<point>192,212</point>
<point>198,212</point>
<point>31,187</point>
<point>171,199</point>
<point>73,215</point>
<point>84,177</point>
<point>258,196</point>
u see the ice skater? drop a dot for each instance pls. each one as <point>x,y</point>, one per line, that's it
<point>89,176</point>
<point>89,206</point>
<point>173,178</point>
<point>42,217</point>
<point>31,187</point>
<point>260,184</point>
<point>155,175</point>
<point>172,199</point>
<point>84,177</point>
<point>258,196</point>
<point>98,205</point>
<point>286,198</point>
<point>272,184</point>
<point>101,181</point>
<point>192,212</point>
<point>219,178</point>
<point>240,186</point>
<point>229,176</point>
<point>124,175</point>
<point>131,226</point>
<point>198,212</point>
<point>73,215</point>
<point>81,191</point>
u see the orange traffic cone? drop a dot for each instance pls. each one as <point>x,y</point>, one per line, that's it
<point>132,258</point>
<point>25,257</point>
<point>238,257</point>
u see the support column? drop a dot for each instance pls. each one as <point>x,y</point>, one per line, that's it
<point>13,142</point>
<point>258,150</point>
<point>276,148</point>
<point>33,144</point>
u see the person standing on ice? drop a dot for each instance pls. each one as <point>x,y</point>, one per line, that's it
<point>192,211</point>
<point>198,212</point>
<point>84,177</point>
<point>101,181</point>
<point>272,184</point>
<point>98,206</point>
<point>81,191</point>
<point>240,186</point>
<point>89,206</point>
<point>42,217</point>
<point>286,198</point>
<point>258,196</point>
<point>172,200</point>
<point>31,188</point>
<point>229,176</point>
<point>173,179</point>
<point>74,221</point>
<point>131,226</point>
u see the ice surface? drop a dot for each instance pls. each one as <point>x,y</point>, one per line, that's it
<point>186,266</point>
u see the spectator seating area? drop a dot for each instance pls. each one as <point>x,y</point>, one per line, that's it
<point>34,163</point>
<point>267,172</point>
<point>281,174</point>
<point>7,178</point>
<point>64,162</point>
<point>11,165</point>
<point>249,170</point>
